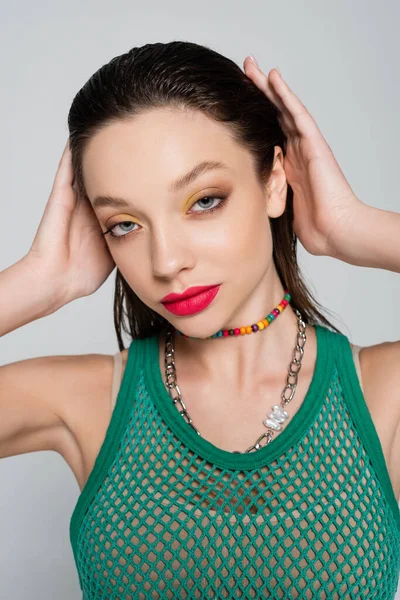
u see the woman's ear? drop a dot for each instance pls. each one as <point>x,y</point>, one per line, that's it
<point>277,186</point>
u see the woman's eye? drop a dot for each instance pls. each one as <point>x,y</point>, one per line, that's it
<point>124,231</point>
<point>207,199</point>
<point>208,209</point>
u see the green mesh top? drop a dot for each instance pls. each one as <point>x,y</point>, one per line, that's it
<point>166,514</point>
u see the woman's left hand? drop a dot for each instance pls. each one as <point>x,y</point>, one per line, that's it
<point>323,202</point>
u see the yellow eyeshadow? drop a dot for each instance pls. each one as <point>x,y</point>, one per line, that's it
<point>187,204</point>
<point>122,218</point>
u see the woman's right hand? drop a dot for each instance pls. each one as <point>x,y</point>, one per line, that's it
<point>69,254</point>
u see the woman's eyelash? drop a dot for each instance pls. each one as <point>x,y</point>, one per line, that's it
<point>222,197</point>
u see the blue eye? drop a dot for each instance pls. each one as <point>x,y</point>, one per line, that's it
<point>222,199</point>
<point>122,224</point>
<point>209,198</point>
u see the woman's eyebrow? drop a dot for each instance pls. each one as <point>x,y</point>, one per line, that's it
<point>178,184</point>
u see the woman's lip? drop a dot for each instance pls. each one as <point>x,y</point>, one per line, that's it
<point>194,304</point>
<point>189,293</point>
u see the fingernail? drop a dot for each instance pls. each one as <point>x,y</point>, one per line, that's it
<point>253,59</point>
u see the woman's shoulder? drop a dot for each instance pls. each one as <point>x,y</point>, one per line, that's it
<point>379,364</point>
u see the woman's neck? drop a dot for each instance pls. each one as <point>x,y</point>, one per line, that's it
<point>241,360</point>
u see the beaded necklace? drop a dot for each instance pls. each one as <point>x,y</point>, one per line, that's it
<point>251,328</point>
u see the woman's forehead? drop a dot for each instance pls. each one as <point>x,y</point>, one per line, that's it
<point>123,154</point>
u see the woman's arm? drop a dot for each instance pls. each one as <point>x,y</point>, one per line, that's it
<point>23,298</point>
<point>370,238</point>
<point>329,219</point>
<point>68,259</point>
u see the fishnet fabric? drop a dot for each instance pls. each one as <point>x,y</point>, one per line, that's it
<point>166,523</point>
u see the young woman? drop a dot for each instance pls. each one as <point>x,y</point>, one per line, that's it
<point>240,446</point>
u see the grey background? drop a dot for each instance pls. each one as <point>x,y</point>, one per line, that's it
<point>340,58</point>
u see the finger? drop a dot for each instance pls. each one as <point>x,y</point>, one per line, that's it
<point>261,81</point>
<point>64,176</point>
<point>264,84</point>
<point>299,113</point>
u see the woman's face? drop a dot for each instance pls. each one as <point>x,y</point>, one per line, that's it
<point>166,237</point>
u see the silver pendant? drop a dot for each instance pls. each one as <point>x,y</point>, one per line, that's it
<point>278,416</point>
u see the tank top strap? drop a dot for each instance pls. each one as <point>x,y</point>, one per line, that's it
<point>116,381</point>
<point>356,357</point>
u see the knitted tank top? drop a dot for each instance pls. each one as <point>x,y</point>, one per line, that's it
<point>166,514</point>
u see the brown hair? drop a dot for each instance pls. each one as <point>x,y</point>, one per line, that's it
<point>188,75</point>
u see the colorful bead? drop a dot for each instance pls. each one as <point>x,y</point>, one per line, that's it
<point>262,324</point>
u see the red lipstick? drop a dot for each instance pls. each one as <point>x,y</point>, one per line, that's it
<point>188,293</point>
<point>193,300</point>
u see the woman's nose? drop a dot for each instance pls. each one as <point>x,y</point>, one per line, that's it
<point>170,254</point>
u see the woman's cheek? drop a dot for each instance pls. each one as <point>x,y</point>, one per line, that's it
<point>133,274</point>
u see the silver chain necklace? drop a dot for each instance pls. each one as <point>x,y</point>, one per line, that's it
<point>278,414</point>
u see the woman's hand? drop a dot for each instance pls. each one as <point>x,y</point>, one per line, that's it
<point>69,254</point>
<point>323,201</point>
